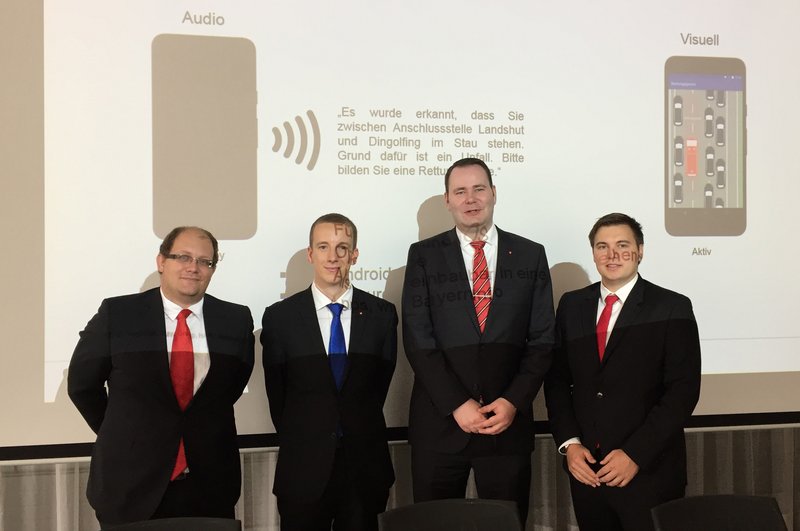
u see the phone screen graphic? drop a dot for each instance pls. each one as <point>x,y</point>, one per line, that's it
<point>204,134</point>
<point>705,146</point>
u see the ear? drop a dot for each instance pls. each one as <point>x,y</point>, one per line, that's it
<point>641,253</point>
<point>308,256</point>
<point>353,256</point>
<point>160,263</point>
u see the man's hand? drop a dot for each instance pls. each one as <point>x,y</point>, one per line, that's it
<point>618,469</point>
<point>499,415</point>
<point>577,458</point>
<point>468,416</point>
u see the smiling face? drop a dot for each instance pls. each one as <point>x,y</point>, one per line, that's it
<point>185,284</point>
<point>470,198</point>
<point>332,253</point>
<point>616,255</point>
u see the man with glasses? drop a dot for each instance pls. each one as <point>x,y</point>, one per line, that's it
<point>155,375</point>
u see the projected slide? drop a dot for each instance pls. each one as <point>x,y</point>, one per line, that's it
<point>251,119</point>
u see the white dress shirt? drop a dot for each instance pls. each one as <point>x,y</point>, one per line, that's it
<point>197,327</point>
<point>489,250</point>
<point>325,316</point>
<point>622,293</point>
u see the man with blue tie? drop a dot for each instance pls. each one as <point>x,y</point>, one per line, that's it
<point>329,356</point>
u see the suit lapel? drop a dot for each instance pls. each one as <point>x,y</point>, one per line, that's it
<point>214,324</point>
<point>359,313</point>
<point>588,319</point>
<point>152,318</point>
<point>455,262</point>
<point>503,283</point>
<point>309,324</point>
<point>627,317</point>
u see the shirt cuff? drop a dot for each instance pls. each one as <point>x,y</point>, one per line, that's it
<point>563,448</point>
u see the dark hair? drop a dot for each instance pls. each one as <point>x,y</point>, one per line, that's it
<point>334,218</point>
<point>169,241</point>
<point>469,161</point>
<point>616,218</point>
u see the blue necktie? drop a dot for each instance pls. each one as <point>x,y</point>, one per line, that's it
<point>337,350</point>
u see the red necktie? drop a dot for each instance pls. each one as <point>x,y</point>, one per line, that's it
<point>481,289</point>
<point>602,324</point>
<point>181,370</point>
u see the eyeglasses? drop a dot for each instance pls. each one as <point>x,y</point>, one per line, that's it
<point>186,259</point>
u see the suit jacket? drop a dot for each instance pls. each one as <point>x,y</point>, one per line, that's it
<point>641,395</point>
<point>138,421</point>
<point>453,361</point>
<point>307,409</point>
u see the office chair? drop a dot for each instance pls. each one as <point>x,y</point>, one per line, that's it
<point>727,512</point>
<point>453,515</point>
<point>181,524</point>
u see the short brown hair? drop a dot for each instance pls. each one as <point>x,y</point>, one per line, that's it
<point>169,241</point>
<point>337,219</point>
<point>615,218</point>
<point>469,161</point>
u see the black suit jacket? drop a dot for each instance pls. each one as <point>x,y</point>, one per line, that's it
<point>306,407</point>
<point>453,361</point>
<point>641,395</point>
<point>138,421</point>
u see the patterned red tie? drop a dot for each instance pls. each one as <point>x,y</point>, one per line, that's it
<point>481,288</point>
<point>602,324</point>
<point>181,370</point>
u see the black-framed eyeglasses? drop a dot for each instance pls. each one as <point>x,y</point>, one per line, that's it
<point>186,259</point>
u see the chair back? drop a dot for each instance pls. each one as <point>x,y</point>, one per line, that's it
<point>181,524</point>
<point>727,512</point>
<point>453,515</point>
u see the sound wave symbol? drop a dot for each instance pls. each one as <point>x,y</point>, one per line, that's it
<point>303,134</point>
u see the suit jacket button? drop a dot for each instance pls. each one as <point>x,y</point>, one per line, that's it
<point>333,435</point>
<point>600,395</point>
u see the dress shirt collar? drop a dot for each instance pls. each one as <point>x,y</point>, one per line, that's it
<point>322,301</point>
<point>622,292</point>
<point>490,237</point>
<point>172,310</point>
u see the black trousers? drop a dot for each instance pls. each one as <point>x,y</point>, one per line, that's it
<point>620,508</point>
<point>186,498</point>
<point>343,505</point>
<point>439,476</point>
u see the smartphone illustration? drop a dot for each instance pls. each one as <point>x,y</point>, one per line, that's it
<point>204,134</point>
<point>705,150</point>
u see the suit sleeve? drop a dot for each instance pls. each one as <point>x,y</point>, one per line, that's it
<point>681,388</point>
<point>558,387</point>
<point>247,354</point>
<point>424,354</point>
<point>89,369</point>
<point>274,362</point>
<point>389,351</point>
<point>538,353</point>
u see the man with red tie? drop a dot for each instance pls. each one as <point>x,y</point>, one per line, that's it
<point>624,381</point>
<point>478,332</point>
<point>156,375</point>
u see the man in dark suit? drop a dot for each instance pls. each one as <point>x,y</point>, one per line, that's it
<point>478,332</point>
<point>624,381</point>
<point>329,355</point>
<point>175,360</point>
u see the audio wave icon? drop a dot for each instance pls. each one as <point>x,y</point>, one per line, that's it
<point>303,136</point>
